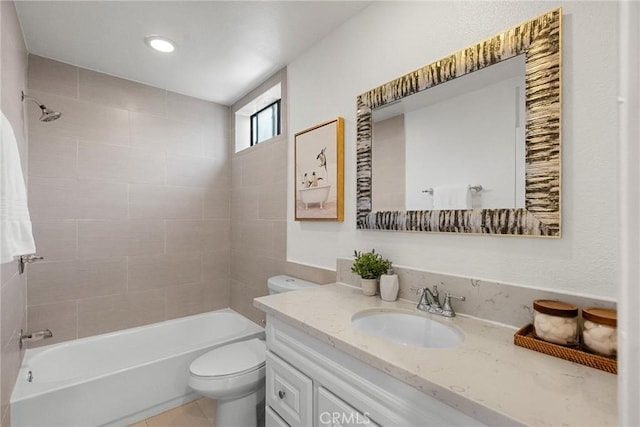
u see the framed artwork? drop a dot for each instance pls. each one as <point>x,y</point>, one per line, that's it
<point>319,172</point>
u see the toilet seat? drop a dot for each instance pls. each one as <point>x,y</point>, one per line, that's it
<point>237,359</point>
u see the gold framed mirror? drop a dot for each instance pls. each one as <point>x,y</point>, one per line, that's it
<point>539,42</point>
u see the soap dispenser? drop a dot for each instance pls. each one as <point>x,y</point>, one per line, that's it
<point>389,286</point>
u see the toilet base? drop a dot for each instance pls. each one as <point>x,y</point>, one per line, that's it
<point>247,411</point>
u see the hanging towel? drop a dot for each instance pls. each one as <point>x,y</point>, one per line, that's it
<point>452,197</point>
<point>16,236</point>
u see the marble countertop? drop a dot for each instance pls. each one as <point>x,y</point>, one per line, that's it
<point>486,376</point>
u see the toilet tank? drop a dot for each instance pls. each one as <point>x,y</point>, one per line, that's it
<point>284,283</point>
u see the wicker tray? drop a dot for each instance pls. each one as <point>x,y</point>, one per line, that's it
<point>525,338</point>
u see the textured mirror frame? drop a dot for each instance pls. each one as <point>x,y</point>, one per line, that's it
<point>539,39</point>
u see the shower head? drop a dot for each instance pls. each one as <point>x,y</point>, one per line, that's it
<point>47,114</point>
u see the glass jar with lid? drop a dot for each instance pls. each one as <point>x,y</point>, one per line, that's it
<point>556,322</point>
<point>600,330</point>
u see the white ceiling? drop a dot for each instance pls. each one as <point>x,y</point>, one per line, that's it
<point>223,48</point>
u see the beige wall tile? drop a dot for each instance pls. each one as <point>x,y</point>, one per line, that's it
<point>145,166</point>
<point>191,299</point>
<point>280,239</point>
<point>187,236</point>
<point>56,240</point>
<point>106,203</point>
<point>51,282</point>
<point>255,167</point>
<point>254,271</point>
<point>52,198</point>
<point>12,309</point>
<point>70,199</point>
<point>189,171</point>
<point>272,202</point>
<point>61,318</point>
<point>243,303</point>
<point>215,135</point>
<point>159,271</point>
<point>166,134</point>
<point>10,365</point>
<point>101,200</point>
<point>92,122</point>
<point>99,161</point>
<point>52,156</point>
<point>159,202</point>
<point>147,201</point>
<point>109,239</point>
<point>236,172</point>
<point>183,202</point>
<point>7,271</point>
<point>216,265</point>
<point>244,204</point>
<point>217,204</point>
<point>13,68</point>
<point>187,108</point>
<point>256,238</point>
<point>47,75</point>
<point>115,312</point>
<point>104,89</point>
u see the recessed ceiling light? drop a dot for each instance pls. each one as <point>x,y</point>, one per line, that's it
<point>161,44</point>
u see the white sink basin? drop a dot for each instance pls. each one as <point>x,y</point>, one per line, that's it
<point>407,328</point>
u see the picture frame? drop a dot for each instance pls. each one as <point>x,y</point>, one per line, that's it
<point>319,172</point>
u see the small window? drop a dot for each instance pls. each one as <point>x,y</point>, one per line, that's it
<point>259,120</point>
<point>265,124</point>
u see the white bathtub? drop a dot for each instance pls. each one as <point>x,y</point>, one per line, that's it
<point>121,377</point>
<point>318,194</point>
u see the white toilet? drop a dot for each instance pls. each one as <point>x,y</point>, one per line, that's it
<point>234,374</point>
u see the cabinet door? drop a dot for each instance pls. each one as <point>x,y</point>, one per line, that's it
<point>289,392</point>
<point>335,412</point>
<point>272,419</point>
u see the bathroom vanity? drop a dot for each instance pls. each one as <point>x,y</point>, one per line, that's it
<point>321,370</point>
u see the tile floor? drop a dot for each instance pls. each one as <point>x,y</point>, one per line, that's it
<point>199,413</point>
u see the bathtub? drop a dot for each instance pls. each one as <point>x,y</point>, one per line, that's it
<point>122,377</point>
<point>318,194</point>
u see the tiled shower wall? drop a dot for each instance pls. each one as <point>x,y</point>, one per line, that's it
<point>13,76</point>
<point>259,214</point>
<point>130,203</point>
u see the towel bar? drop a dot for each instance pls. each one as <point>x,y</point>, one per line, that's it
<point>471,187</point>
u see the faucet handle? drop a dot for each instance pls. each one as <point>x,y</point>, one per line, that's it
<point>418,291</point>
<point>447,309</point>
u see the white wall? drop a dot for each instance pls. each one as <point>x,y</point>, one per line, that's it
<point>387,40</point>
<point>469,139</point>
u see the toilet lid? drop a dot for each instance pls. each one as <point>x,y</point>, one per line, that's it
<point>230,359</point>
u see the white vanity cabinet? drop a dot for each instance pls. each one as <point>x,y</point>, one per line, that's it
<point>310,383</point>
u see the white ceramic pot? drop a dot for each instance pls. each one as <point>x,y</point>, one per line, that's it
<point>369,286</point>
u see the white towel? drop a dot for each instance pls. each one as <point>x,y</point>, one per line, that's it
<point>452,197</point>
<point>16,236</point>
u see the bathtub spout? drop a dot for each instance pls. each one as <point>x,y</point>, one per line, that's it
<point>34,336</point>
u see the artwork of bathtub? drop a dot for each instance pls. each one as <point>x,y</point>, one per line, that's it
<point>122,377</point>
<point>318,194</point>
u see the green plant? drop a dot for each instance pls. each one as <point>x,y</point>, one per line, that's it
<point>370,265</point>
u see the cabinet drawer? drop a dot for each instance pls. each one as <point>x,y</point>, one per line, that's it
<point>289,392</point>
<point>272,419</point>
<point>335,412</point>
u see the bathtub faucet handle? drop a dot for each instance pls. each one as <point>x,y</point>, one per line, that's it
<point>34,336</point>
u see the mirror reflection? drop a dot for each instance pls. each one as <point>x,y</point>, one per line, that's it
<point>469,131</point>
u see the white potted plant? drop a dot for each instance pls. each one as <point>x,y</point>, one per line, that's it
<point>369,266</point>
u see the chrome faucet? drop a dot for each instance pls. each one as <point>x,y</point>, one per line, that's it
<point>430,301</point>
